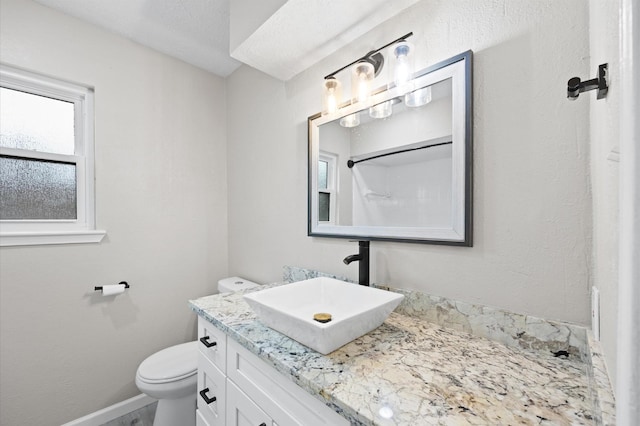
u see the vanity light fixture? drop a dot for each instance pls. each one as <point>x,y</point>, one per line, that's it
<point>332,95</point>
<point>365,69</point>
<point>403,68</point>
<point>361,78</point>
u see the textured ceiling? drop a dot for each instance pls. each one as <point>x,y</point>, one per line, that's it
<point>284,42</point>
<point>195,31</point>
<point>303,32</point>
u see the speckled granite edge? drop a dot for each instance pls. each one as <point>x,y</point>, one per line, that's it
<point>600,385</point>
<point>509,328</point>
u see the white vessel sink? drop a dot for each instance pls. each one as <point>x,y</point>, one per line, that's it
<point>355,310</point>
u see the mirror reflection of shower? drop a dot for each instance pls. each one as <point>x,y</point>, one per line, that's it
<point>398,161</point>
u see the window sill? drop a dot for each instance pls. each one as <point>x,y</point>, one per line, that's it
<point>8,239</point>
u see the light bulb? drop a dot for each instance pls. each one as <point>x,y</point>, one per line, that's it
<point>403,67</point>
<point>363,90</point>
<point>361,78</point>
<point>331,95</point>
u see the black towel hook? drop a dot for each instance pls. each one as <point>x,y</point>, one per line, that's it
<point>575,86</point>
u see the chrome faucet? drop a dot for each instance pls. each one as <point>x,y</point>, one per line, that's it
<point>363,258</point>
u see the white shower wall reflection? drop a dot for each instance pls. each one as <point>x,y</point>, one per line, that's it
<point>408,189</point>
<point>401,172</point>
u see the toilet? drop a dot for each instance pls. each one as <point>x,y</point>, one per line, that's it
<point>171,375</point>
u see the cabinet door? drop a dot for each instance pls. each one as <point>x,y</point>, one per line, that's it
<point>242,411</point>
<point>211,392</point>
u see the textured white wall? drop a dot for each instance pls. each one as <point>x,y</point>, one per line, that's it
<point>532,204</point>
<point>161,196</point>
<point>605,134</point>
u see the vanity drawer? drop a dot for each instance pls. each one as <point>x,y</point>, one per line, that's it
<point>212,343</point>
<point>211,387</point>
<point>285,402</point>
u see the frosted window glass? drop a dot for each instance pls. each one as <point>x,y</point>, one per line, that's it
<point>34,189</point>
<point>323,168</point>
<point>36,123</point>
<point>324,205</point>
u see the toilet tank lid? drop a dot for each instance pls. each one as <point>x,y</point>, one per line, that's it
<point>235,284</point>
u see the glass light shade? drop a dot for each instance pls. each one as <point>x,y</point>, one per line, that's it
<point>331,95</point>
<point>352,120</point>
<point>403,68</point>
<point>361,78</point>
<point>382,110</point>
<point>418,98</point>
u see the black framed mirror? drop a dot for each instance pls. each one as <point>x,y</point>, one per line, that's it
<point>399,166</point>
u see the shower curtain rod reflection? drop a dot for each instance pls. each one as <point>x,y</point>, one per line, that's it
<point>352,163</point>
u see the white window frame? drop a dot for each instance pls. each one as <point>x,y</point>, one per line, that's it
<point>332,184</point>
<point>83,228</point>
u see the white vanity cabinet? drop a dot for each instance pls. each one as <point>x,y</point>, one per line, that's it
<point>235,387</point>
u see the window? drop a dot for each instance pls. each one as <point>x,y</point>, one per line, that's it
<point>327,187</point>
<point>46,161</point>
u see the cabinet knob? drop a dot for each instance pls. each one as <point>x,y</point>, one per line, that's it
<point>203,394</point>
<point>205,341</point>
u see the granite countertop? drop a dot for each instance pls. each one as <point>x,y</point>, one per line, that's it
<point>410,371</point>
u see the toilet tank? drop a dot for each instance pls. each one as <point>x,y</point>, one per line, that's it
<point>230,284</point>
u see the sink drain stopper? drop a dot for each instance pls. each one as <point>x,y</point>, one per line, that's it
<point>322,317</point>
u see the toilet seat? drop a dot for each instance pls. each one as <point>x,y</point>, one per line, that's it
<point>170,365</point>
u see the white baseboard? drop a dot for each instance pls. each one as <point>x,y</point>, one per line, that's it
<point>105,415</point>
